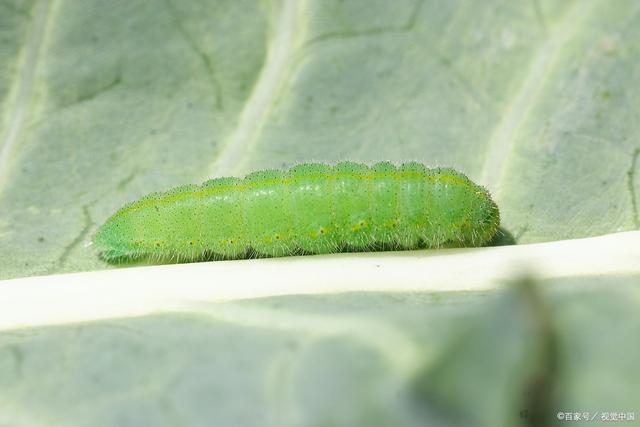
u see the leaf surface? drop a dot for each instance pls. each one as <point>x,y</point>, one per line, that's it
<point>102,103</point>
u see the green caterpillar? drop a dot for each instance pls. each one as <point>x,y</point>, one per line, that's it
<point>311,208</point>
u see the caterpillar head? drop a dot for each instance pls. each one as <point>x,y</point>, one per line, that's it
<point>483,219</point>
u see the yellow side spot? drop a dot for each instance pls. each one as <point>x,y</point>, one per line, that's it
<point>391,224</point>
<point>360,225</point>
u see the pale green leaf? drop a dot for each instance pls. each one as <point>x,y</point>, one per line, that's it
<point>103,102</point>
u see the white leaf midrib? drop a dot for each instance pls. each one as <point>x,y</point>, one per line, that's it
<point>130,292</point>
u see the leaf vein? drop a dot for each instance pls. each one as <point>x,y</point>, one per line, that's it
<point>502,139</point>
<point>22,88</point>
<point>272,78</point>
